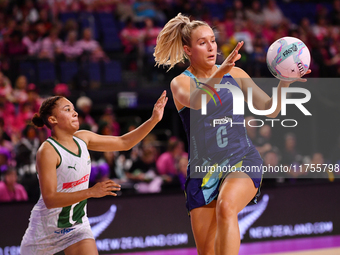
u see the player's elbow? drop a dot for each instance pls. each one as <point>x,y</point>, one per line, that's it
<point>272,116</point>
<point>49,202</point>
<point>126,146</point>
<point>49,205</point>
<point>196,105</point>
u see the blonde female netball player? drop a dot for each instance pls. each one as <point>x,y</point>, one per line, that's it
<point>59,220</point>
<point>213,199</point>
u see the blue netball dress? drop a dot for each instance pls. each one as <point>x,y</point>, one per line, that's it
<point>218,145</point>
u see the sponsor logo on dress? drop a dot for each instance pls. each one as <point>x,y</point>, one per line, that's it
<point>68,185</point>
<point>63,231</point>
<point>222,121</point>
<point>74,167</point>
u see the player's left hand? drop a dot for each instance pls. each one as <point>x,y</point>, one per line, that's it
<point>287,83</point>
<point>304,79</point>
<point>158,109</point>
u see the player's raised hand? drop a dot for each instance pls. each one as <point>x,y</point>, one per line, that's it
<point>298,79</point>
<point>101,189</point>
<point>158,109</point>
<point>229,62</point>
<point>304,79</point>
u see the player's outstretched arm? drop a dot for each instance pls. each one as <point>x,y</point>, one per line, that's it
<point>125,142</point>
<point>261,100</point>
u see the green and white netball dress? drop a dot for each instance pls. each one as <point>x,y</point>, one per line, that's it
<point>53,230</point>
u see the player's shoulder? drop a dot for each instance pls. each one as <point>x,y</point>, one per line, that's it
<point>180,80</point>
<point>84,135</point>
<point>46,149</point>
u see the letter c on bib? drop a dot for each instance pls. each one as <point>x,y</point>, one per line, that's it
<point>222,142</point>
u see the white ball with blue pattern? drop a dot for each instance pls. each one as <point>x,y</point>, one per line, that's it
<point>288,58</point>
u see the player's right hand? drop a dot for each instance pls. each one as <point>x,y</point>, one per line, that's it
<point>229,62</point>
<point>105,188</point>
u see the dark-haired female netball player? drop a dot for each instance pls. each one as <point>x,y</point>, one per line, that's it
<point>59,220</point>
<point>214,198</point>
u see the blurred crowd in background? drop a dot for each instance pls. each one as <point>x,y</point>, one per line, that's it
<point>61,47</point>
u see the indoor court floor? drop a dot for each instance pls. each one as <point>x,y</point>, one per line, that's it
<point>326,245</point>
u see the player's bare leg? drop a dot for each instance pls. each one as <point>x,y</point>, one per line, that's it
<point>203,223</point>
<point>236,192</point>
<point>84,247</point>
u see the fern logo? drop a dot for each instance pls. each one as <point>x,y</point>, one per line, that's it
<point>250,214</point>
<point>101,222</point>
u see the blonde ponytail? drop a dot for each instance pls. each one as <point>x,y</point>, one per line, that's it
<point>170,41</point>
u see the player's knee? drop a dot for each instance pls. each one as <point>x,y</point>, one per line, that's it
<point>225,210</point>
